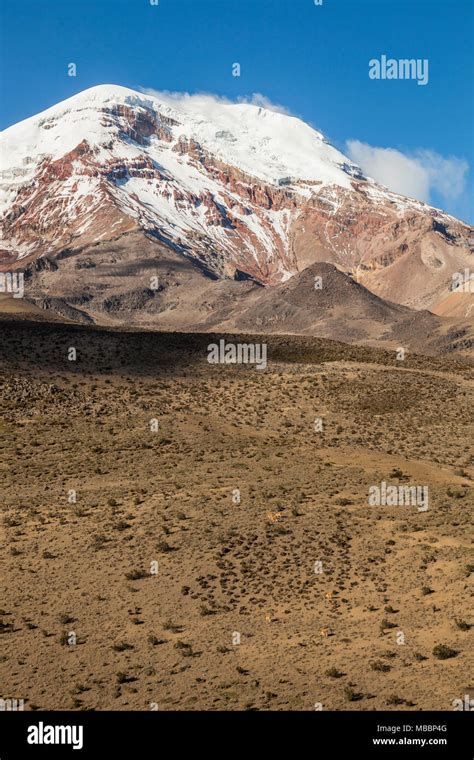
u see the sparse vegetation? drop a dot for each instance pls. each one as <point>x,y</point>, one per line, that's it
<point>237,572</point>
<point>443,652</point>
<point>462,625</point>
<point>121,646</point>
<point>394,699</point>
<point>136,574</point>
<point>334,673</point>
<point>351,695</point>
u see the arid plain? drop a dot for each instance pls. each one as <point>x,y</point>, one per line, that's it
<point>183,536</point>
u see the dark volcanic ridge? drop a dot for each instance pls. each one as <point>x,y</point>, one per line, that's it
<point>138,281</point>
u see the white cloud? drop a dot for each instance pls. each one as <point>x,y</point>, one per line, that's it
<point>417,174</point>
<point>197,101</point>
<point>257,99</point>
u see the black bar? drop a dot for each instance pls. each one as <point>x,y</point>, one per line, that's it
<point>314,734</point>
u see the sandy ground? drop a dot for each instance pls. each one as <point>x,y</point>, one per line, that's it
<point>136,577</point>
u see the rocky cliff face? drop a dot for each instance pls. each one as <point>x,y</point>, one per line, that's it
<point>239,191</point>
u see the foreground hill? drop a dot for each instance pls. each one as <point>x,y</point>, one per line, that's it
<point>110,284</point>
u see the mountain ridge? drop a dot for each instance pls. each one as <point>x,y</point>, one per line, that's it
<point>238,190</point>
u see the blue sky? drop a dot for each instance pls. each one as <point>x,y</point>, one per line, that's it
<point>311,59</point>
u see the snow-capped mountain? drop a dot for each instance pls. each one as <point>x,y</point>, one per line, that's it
<point>237,188</point>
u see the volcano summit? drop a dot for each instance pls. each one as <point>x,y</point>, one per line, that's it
<point>112,186</point>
